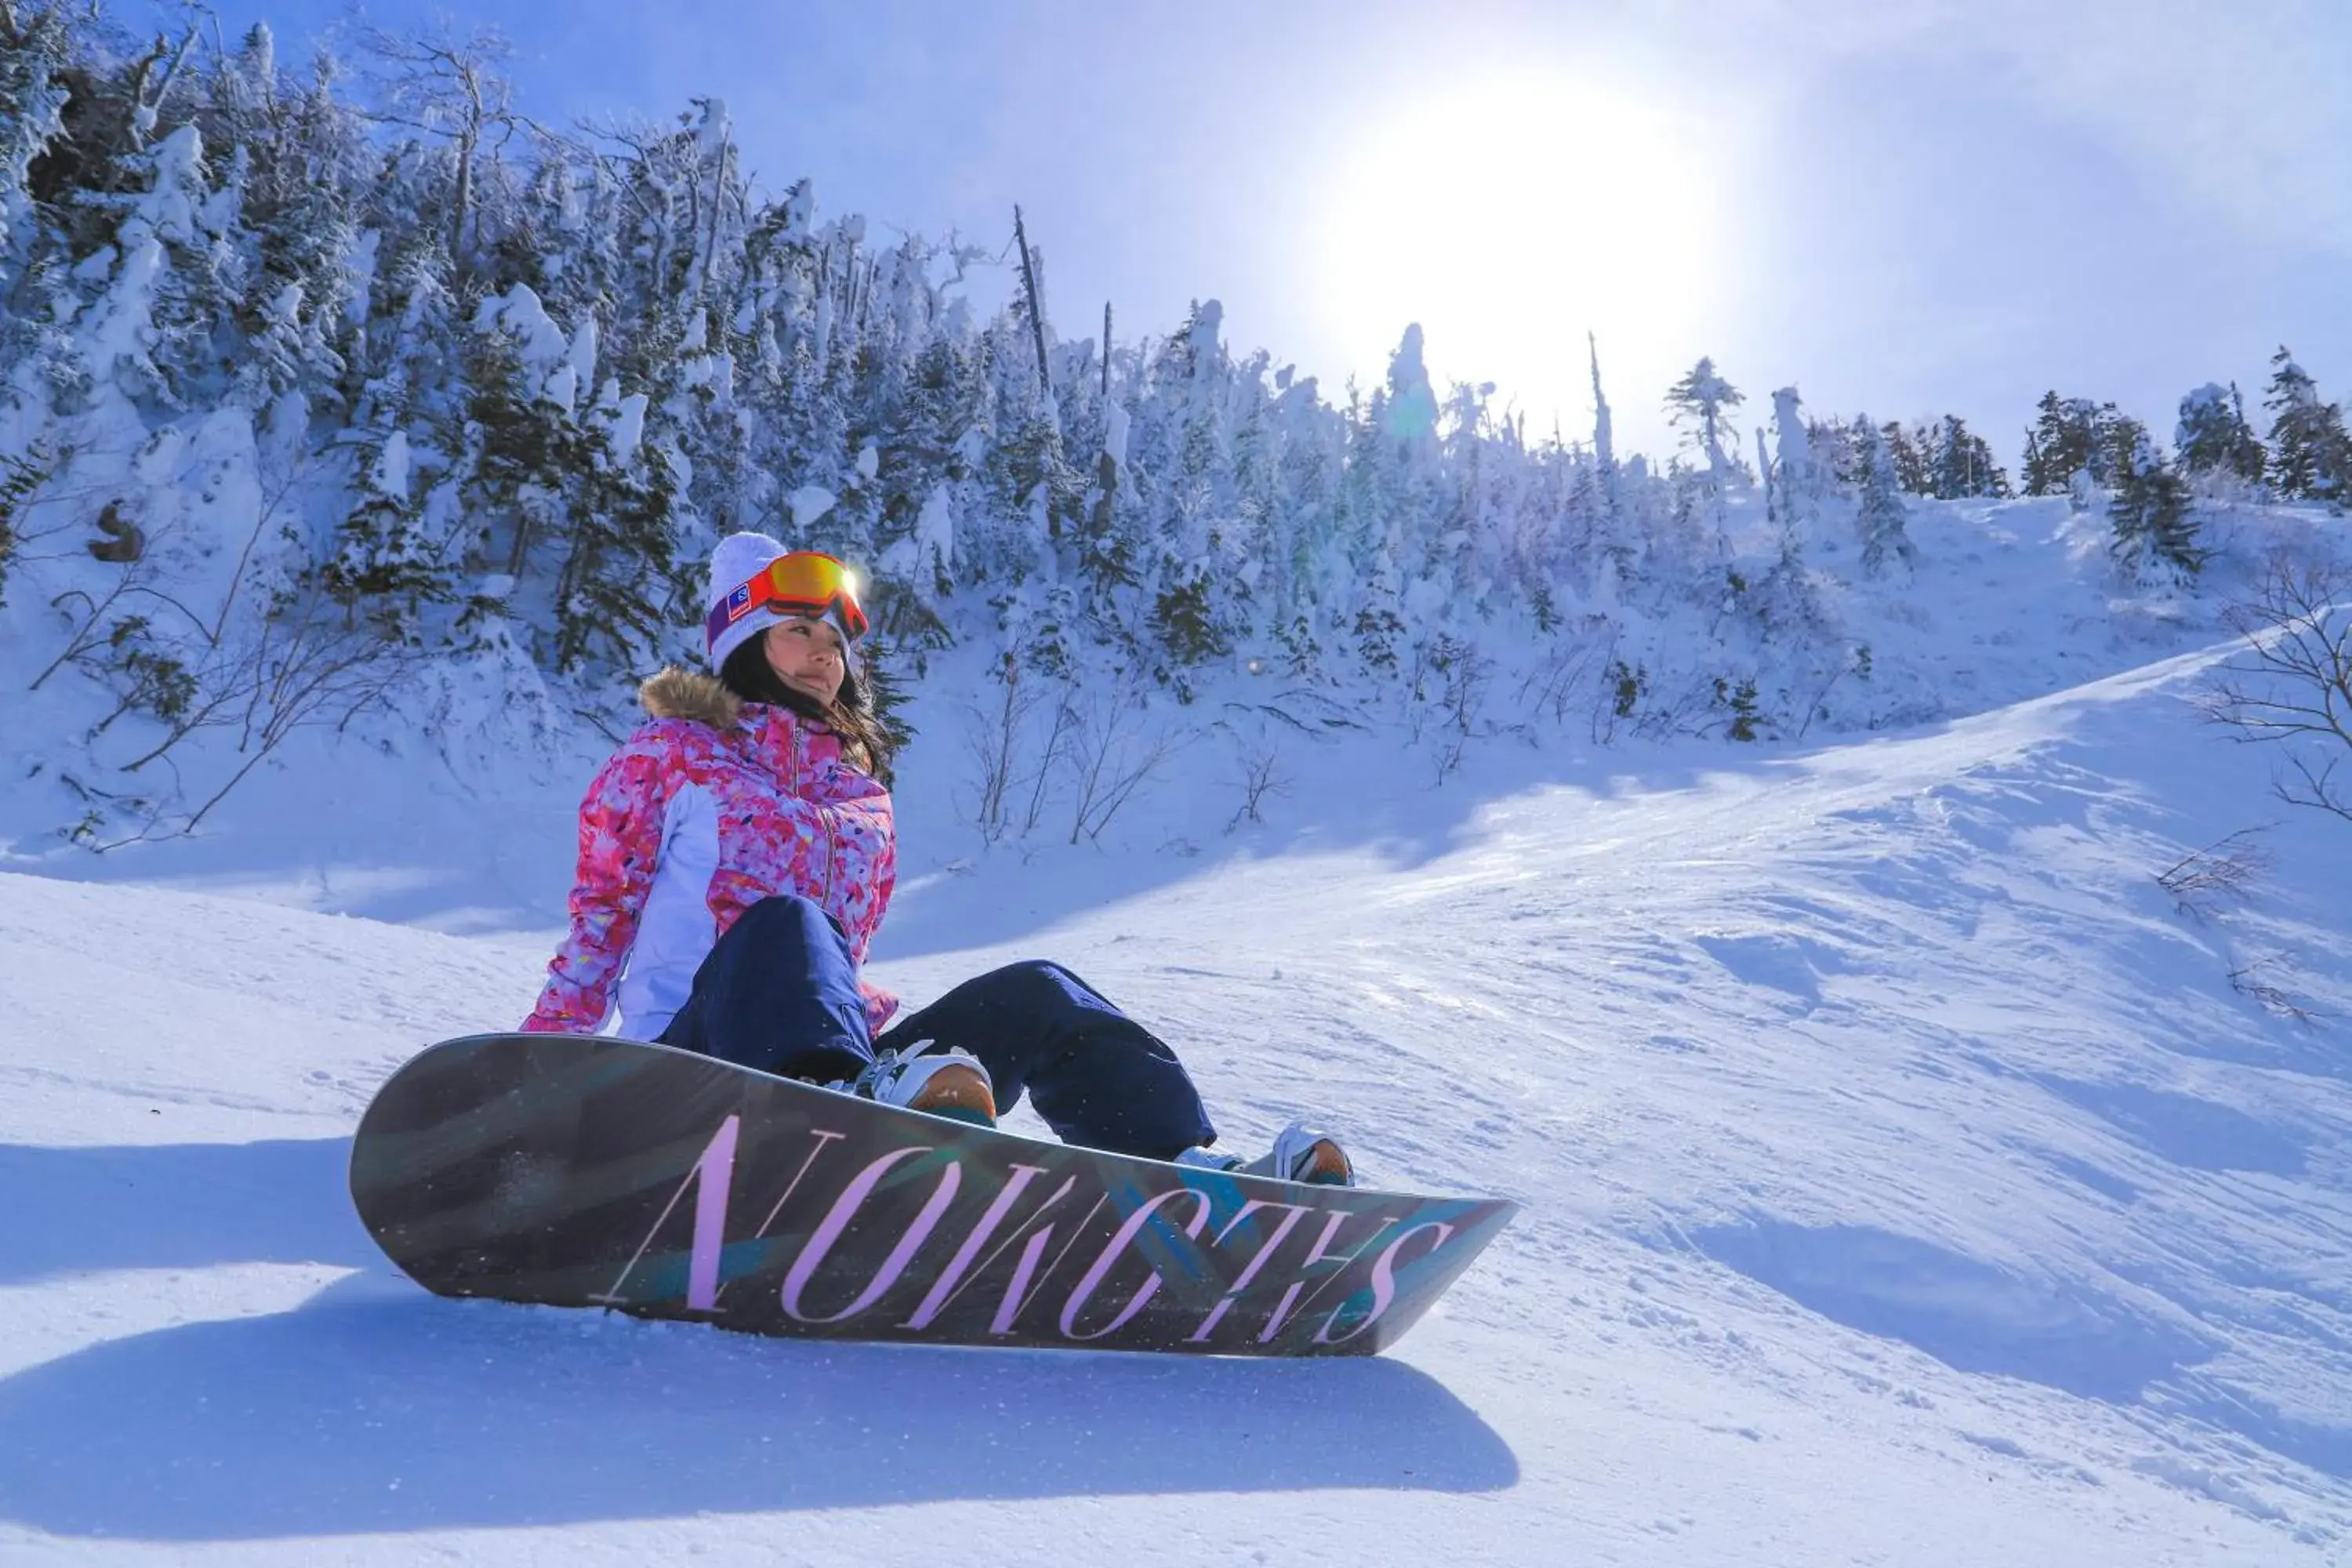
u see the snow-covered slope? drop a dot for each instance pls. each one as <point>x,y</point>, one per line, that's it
<point>1905,1182</point>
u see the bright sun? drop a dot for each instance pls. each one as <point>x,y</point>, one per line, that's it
<point>1509,215</point>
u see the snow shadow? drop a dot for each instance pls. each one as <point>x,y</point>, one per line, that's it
<point>409,843</point>
<point>1361,797</point>
<point>1970,1315</point>
<point>2172,952</point>
<point>376,1409</point>
<point>2100,1180</point>
<point>2321,1446</point>
<point>2196,1133</point>
<point>176,1206</point>
<point>1776,962</point>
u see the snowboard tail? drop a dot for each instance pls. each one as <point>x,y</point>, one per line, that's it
<point>579,1171</point>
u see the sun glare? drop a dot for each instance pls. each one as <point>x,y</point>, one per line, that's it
<point>1511,215</point>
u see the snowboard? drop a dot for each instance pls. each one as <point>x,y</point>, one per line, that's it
<point>583,1171</point>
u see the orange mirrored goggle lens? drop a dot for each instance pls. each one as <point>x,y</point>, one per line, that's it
<point>807,578</point>
<point>806,583</point>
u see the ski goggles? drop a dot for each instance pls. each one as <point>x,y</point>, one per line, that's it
<point>806,583</point>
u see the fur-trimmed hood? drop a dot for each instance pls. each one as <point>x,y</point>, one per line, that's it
<point>678,693</point>
<point>701,699</point>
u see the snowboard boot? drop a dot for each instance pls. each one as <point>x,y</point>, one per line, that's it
<point>951,1084</point>
<point>1297,1155</point>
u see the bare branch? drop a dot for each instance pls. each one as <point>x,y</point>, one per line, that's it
<point>2223,870</point>
<point>2246,981</point>
<point>2294,677</point>
<point>993,739</point>
<point>1110,761</point>
<point>1261,779</point>
<point>451,88</point>
<point>2318,787</point>
<point>2294,680</point>
<point>1049,757</point>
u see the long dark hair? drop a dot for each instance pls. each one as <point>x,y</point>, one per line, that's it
<point>866,742</point>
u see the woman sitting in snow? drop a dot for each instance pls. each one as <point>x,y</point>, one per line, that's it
<point>737,855</point>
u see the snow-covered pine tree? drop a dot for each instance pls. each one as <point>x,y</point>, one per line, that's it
<point>625,584</point>
<point>551,508</point>
<point>1395,486</point>
<point>385,567</point>
<point>150,333</point>
<point>1366,609</point>
<point>2048,443</point>
<point>1910,464</point>
<point>2057,447</point>
<point>21,477</point>
<point>1780,603</point>
<point>1410,416</point>
<point>1195,611</point>
<point>2071,446</point>
<point>1961,464</point>
<point>1312,577</point>
<point>294,166</point>
<point>1604,441</point>
<point>923,475</point>
<point>1700,405</point>
<point>1836,447</point>
<point>1793,453</point>
<point>1487,558</point>
<point>1880,515</point>
<point>1251,538</point>
<point>2214,437</point>
<point>1035,492</point>
<point>2310,453</point>
<point>1411,420</point>
<point>2149,510</point>
<point>36,47</point>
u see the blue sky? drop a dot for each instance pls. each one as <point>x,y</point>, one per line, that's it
<point>1903,206</point>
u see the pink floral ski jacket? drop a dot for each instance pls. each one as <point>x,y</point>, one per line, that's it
<point>713,806</point>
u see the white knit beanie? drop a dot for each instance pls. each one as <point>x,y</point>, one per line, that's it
<point>738,558</point>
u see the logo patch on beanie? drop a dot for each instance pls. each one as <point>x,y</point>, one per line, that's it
<point>739,603</point>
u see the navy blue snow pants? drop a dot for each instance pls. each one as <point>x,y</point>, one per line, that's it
<point>779,993</point>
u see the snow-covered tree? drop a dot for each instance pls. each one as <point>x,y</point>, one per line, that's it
<point>1880,514</point>
<point>35,47</point>
<point>2214,437</point>
<point>1604,441</point>
<point>1906,452</point>
<point>2149,511</point>
<point>454,90</point>
<point>2310,452</point>
<point>1961,464</point>
<point>1793,450</point>
<point>2070,446</point>
<point>1700,405</point>
<point>1411,416</point>
<point>386,566</point>
<point>167,289</point>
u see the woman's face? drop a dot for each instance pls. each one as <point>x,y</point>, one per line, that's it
<point>806,656</point>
